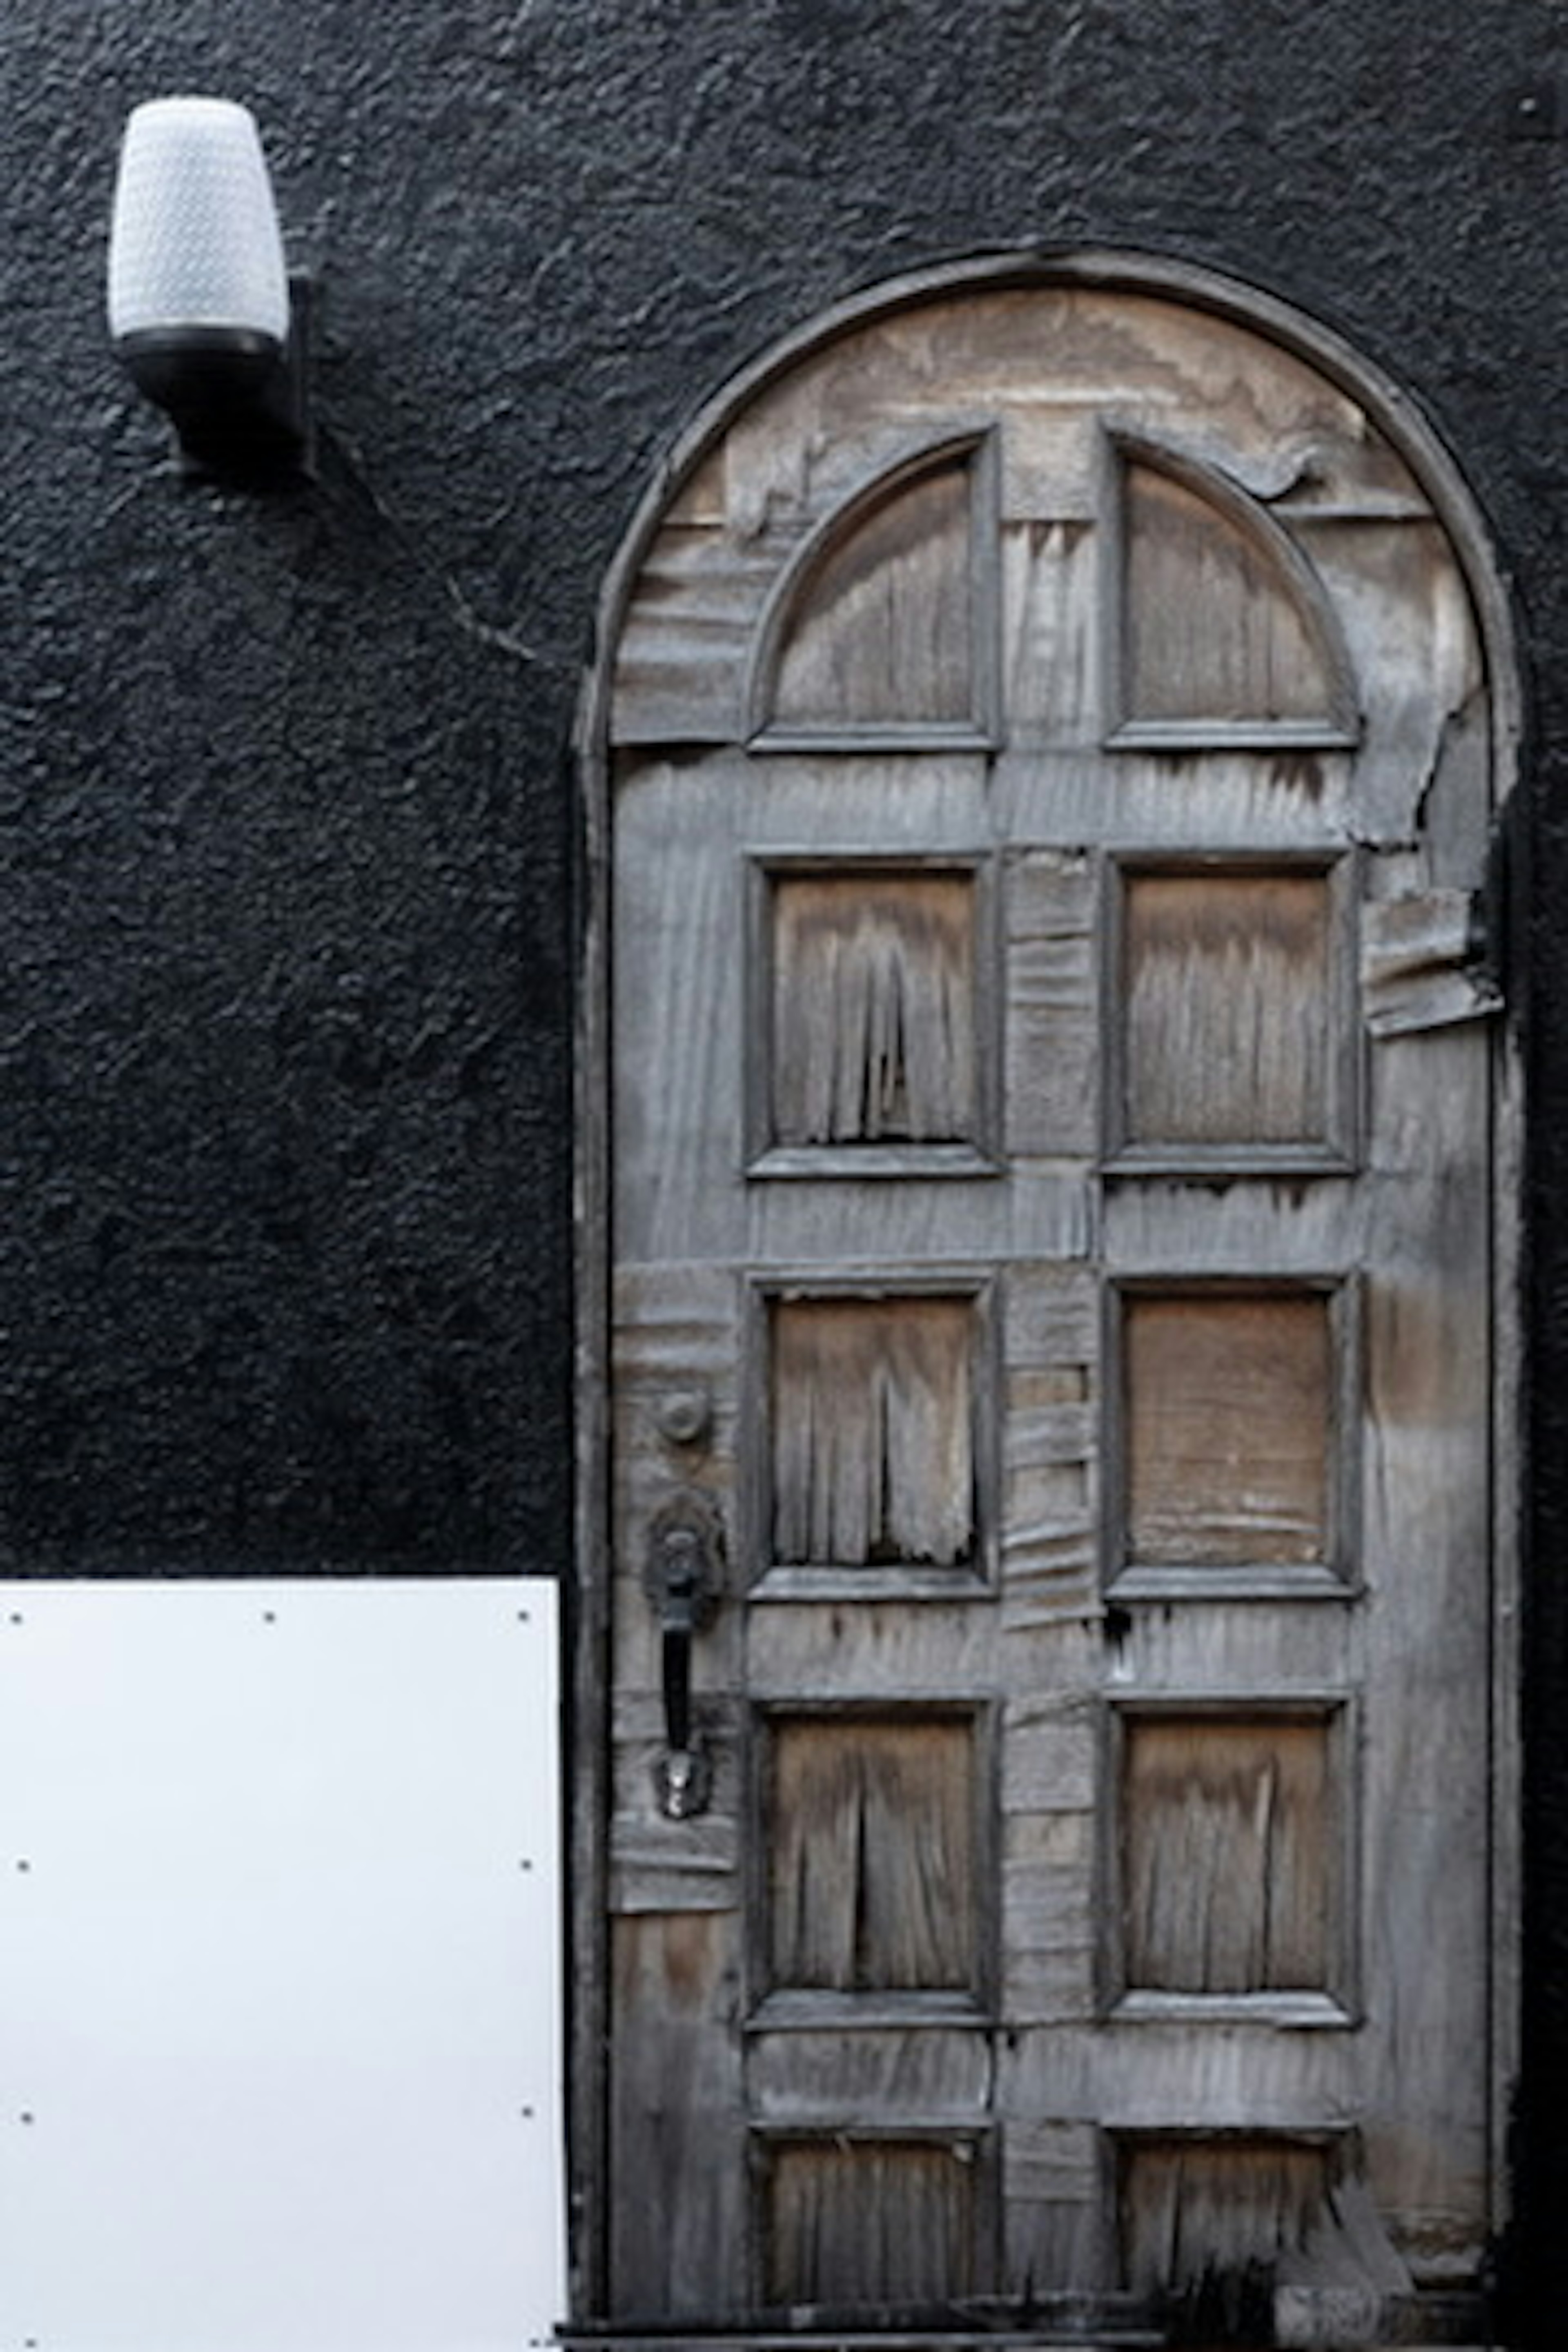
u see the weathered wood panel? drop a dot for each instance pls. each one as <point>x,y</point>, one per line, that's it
<point>1171,2073</point>
<point>1230,1861</point>
<point>870,2221</point>
<point>1223,2213</point>
<point>870,1834</point>
<point>872,1405</point>
<point>839,1649</point>
<point>1053,656</point>
<point>1216,623</point>
<point>677,2233</point>
<point>1229,1418</point>
<point>1052,2186</point>
<point>1298,1648</point>
<point>1050,1555</point>
<point>679,917</point>
<point>816,2075</point>
<point>1426,1529</point>
<point>880,629</point>
<point>814,443</point>
<point>1422,963</point>
<point>1227,1005</point>
<point>1046,1213</point>
<point>1049,1798</point>
<point>873,1032</point>
<point>1406,615</point>
<point>1050,1559</point>
<point>1053,1039</point>
<point>684,648</point>
<point>1201,798</point>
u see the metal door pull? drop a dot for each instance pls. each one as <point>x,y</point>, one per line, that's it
<point>683,1581</point>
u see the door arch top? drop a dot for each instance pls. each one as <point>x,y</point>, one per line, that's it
<point>1283,466</point>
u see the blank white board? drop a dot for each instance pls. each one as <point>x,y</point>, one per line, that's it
<point>280,1974</point>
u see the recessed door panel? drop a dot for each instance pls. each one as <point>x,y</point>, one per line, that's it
<point>1230,1413</point>
<point>868,1834</point>
<point>1232,1837</point>
<point>871,1412</point>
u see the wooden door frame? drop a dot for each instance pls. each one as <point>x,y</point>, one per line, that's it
<point>1107,270</point>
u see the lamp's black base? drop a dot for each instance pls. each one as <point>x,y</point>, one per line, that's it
<point>236,398</point>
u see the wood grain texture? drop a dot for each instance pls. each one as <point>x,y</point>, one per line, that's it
<point>1422,963</point>
<point>1230,1861</point>
<point>1219,624</point>
<point>869,1829</point>
<point>870,2222</point>
<point>1229,1403</point>
<point>812,447</point>
<point>676,2244</point>
<point>830,2073</point>
<point>681,676</point>
<point>1227,1006</point>
<point>1053,2174</point>
<point>1053,1039</point>
<point>879,628</point>
<point>1421,770</point>
<point>1190,2211</point>
<point>1054,648</point>
<point>872,1421</point>
<point>873,1034</point>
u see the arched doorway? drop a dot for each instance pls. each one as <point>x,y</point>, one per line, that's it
<point>1045,1776</point>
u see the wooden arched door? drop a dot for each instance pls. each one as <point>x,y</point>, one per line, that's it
<point>1042,1581</point>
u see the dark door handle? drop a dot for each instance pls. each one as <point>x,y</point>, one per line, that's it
<point>677,1623</point>
<point>683,1579</point>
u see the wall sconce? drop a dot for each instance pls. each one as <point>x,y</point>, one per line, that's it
<point>202,310</point>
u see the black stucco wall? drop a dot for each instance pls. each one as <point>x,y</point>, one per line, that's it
<point>286,822</point>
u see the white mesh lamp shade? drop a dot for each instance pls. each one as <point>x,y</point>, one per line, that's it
<point>199,304</point>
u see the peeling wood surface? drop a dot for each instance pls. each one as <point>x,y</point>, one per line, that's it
<point>673,2118</point>
<point>1228,1010</point>
<point>873,1031</point>
<point>811,444</point>
<point>1421,964</point>
<point>1054,1041</point>
<point>1230,1874</point>
<point>881,627</point>
<point>1188,2212</point>
<point>1098,1699</point>
<point>872,1407</point>
<point>819,2073</point>
<point>1215,628</point>
<point>871,1866</point>
<point>879,2221</point>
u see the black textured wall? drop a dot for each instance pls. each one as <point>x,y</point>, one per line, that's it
<point>286,822</point>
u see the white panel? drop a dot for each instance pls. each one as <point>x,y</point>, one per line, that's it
<point>279,1979</point>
